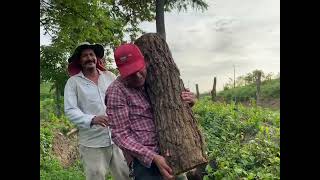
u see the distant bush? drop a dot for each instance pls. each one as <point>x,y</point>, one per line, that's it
<point>269,89</point>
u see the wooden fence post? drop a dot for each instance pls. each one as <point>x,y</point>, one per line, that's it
<point>214,92</point>
<point>258,88</point>
<point>197,88</point>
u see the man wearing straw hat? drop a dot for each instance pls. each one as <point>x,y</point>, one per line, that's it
<point>84,95</point>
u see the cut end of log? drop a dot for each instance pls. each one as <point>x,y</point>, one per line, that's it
<point>190,168</point>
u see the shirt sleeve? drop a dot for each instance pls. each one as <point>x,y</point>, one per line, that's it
<point>71,108</point>
<point>112,75</point>
<point>118,114</point>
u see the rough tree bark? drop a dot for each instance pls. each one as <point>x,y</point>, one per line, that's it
<point>160,25</point>
<point>177,129</point>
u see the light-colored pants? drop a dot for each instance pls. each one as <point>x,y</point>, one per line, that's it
<point>99,161</point>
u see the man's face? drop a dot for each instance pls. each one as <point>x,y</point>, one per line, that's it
<point>137,79</point>
<point>88,59</point>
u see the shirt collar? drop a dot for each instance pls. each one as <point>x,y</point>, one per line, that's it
<point>80,74</point>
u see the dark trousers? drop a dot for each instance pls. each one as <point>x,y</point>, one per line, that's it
<point>140,172</point>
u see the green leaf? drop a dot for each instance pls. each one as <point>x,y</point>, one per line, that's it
<point>238,170</point>
<point>251,176</point>
<point>206,177</point>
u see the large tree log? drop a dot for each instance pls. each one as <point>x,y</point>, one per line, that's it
<point>177,129</point>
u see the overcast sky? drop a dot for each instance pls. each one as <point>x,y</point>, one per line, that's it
<point>244,33</point>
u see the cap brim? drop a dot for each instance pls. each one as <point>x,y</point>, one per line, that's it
<point>129,69</point>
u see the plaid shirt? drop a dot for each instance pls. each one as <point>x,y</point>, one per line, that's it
<point>131,122</point>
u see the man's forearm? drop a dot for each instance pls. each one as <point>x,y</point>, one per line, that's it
<point>79,118</point>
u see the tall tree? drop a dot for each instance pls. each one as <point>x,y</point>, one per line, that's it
<point>180,138</point>
<point>160,25</point>
<point>168,5</point>
<point>70,22</point>
<point>53,69</point>
<point>258,74</point>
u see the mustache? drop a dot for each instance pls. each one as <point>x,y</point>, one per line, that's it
<point>89,61</point>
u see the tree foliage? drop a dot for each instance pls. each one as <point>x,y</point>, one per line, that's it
<point>249,78</point>
<point>70,22</point>
<point>53,66</point>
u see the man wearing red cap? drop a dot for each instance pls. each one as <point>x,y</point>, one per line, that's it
<point>131,118</point>
<point>84,95</point>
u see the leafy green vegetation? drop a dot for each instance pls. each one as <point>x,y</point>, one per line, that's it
<point>50,167</point>
<point>50,124</point>
<point>244,142</point>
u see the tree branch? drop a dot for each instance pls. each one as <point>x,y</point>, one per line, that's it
<point>46,29</point>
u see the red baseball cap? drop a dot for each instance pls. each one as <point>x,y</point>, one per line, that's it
<point>129,59</point>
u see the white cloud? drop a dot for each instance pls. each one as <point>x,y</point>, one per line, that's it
<point>231,32</point>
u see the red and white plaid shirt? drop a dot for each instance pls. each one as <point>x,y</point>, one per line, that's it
<point>131,122</point>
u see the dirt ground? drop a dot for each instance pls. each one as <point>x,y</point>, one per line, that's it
<point>65,148</point>
<point>273,104</point>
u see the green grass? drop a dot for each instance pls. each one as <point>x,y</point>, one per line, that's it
<point>45,91</point>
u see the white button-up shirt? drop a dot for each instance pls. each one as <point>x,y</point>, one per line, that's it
<point>83,100</point>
